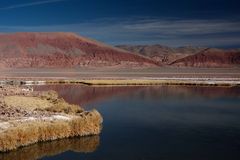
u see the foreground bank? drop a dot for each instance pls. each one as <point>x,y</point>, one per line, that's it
<point>29,117</point>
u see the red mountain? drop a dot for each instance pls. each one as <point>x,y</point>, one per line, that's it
<point>48,50</point>
<point>210,58</point>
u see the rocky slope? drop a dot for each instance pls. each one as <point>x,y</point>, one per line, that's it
<point>210,58</point>
<point>162,54</point>
<point>60,50</point>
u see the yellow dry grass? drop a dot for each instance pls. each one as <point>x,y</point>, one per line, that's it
<point>47,103</point>
<point>29,132</point>
<point>124,82</point>
<point>156,82</point>
<point>29,103</point>
<point>59,120</point>
<point>61,106</point>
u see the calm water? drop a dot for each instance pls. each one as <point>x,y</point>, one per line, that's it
<point>151,123</point>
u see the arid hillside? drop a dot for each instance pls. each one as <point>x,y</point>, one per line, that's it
<point>162,54</point>
<point>187,56</point>
<point>210,58</point>
<point>69,50</point>
<point>61,50</point>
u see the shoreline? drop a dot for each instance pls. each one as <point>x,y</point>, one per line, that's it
<point>122,76</point>
<point>125,81</point>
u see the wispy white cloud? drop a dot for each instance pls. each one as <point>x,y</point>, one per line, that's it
<point>30,4</point>
<point>186,27</point>
<point>173,32</point>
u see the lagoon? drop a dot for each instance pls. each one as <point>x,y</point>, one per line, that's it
<point>152,122</point>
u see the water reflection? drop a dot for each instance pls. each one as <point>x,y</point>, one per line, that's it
<point>160,122</point>
<point>51,148</point>
<point>83,95</point>
<point>79,94</point>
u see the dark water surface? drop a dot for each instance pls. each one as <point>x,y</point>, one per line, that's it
<point>154,123</point>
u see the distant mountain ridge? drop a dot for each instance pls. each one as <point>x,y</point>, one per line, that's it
<point>60,50</point>
<point>69,50</point>
<point>187,56</point>
<point>160,53</point>
<point>210,57</point>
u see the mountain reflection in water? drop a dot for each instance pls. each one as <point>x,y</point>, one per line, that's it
<point>83,95</point>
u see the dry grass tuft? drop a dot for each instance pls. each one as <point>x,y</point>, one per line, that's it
<point>49,95</point>
<point>42,116</point>
<point>26,133</point>
<point>61,106</point>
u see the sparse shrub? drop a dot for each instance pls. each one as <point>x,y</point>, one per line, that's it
<point>49,95</point>
<point>61,106</point>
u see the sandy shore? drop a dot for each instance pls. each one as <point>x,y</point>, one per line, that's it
<point>27,117</point>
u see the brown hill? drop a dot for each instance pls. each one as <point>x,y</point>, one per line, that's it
<point>62,50</point>
<point>162,54</point>
<point>210,58</point>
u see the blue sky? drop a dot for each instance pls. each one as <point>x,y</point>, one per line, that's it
<point>213,23</point>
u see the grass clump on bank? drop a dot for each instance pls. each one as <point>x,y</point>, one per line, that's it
<point>29,132</point>
<point>42,116</point>
<point>46,101</point>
